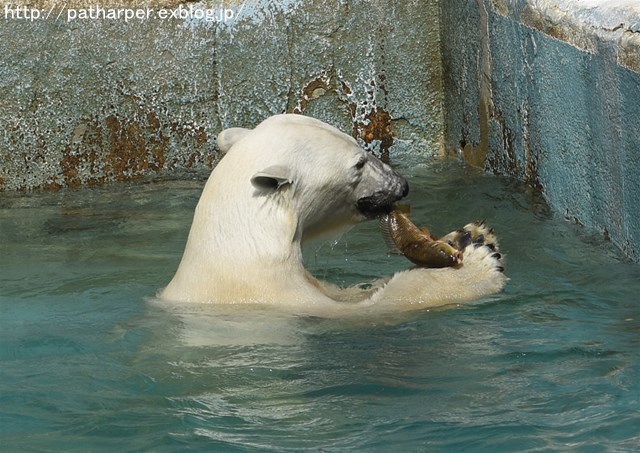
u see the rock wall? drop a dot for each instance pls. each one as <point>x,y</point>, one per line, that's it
<point>104,91</point>
<point>549,92</point>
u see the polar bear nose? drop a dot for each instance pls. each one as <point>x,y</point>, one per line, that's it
<point>405,188</point>
<point>381,202</point>
<point>398,185</point>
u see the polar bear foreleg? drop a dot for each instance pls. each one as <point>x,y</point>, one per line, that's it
<point>480,274</point>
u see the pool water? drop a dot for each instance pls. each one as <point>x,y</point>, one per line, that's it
<point>89,362</point>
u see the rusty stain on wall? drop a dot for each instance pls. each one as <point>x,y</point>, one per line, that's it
<point>116,149</point>
<point>371,123</point>
<point>313,90</point>
<point>377,127</point>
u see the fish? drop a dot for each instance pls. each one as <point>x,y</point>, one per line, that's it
<point>418,244</point>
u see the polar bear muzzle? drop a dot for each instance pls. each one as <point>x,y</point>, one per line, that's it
<point>377,204</point>
<point>388,187</point>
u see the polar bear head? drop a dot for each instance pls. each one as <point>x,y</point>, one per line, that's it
<point>289,179</point>
<point>328,180</point>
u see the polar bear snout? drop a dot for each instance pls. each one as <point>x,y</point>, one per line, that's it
<point>405,188</point>
<point>380,201</point>
<point>377,204</point>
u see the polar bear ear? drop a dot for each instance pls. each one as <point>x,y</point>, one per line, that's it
<point>271,178</point>
<point>229,137</point>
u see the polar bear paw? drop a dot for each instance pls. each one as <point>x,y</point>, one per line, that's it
<point>480,274</point>
<point>477,235</point>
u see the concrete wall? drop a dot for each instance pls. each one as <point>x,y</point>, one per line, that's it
<point>96,99</point>
<point>549,92</point>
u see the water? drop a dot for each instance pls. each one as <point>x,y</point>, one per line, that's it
<point>89,363</point>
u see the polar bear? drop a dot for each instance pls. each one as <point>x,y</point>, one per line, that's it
<point>291,179</point>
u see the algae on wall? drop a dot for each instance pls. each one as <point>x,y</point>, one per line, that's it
<point>89,95</point>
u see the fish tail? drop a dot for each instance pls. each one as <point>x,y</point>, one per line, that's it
<point>385,229</point>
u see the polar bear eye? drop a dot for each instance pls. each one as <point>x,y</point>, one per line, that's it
<point>361,162</point>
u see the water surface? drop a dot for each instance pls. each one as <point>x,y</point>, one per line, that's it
<point>89,363</point>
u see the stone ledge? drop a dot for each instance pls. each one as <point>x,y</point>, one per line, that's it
<point>586,24</point>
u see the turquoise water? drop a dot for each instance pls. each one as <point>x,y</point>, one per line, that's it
<point>89,363</point>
